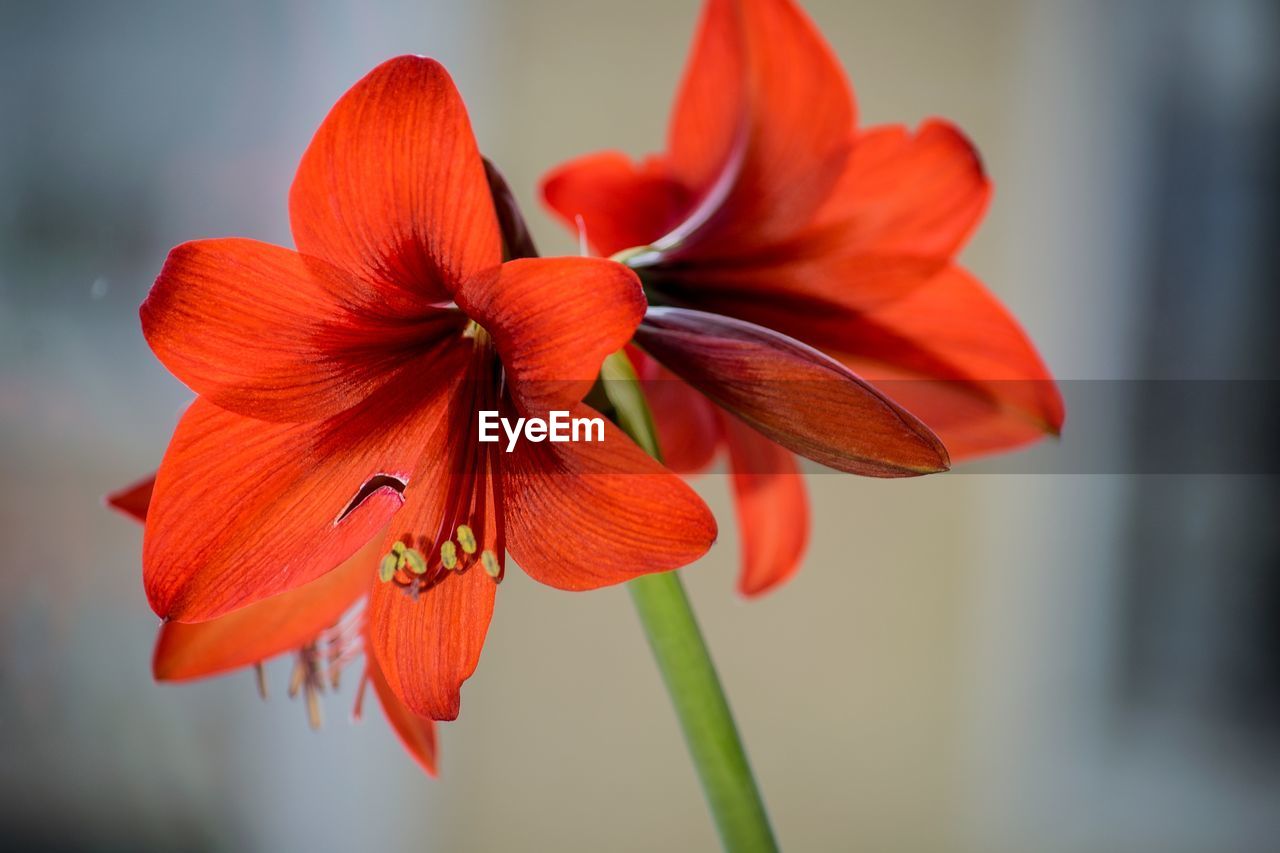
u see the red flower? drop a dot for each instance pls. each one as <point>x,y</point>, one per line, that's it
<point>303,622</point>
<point>338,396</point>
<point>771,207</point>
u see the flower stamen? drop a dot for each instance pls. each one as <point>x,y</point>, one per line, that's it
<point>470,508</point>
<point>308,677</point>
<point>466,539</point>
<point>260,674</point>
<point>449,555</point>
<point>491,565</point>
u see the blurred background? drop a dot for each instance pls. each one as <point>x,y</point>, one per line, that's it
<point>1036,659</point>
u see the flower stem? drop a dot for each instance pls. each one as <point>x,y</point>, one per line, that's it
<point>704,713</point>
<point>685,662</point>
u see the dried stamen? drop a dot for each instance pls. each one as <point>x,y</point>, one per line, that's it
<point>309,679</point>
<point>261,675</point>
<point>313,709</point>
<point>296,678</point>
<point>358,710</point>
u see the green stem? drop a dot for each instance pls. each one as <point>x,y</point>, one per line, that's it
<point>704,713</point>
<point>685,662</point>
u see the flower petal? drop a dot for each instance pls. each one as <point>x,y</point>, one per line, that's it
<point>621,204</point>
<point>246,509</point>
<point>902,209</point>
<point>772,507</point>
<point>429,645</point>
<point>582,515</point>
<point>951,354</point>
<point>795,282</point>
<point>428,642</point>
<point>417,734</point>
<point>268,333</point>
<point>555,321</point>
<point>761,127</point>
<point>392,188</point>
<point>263,630</point>
<point>902,193</point>
<point>517,242</point>
<point>689,430</point>
<point>134,500</point>
<point>792,394</point>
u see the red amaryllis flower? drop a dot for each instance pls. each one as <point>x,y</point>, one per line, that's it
<point>339,387</point>
<point>305,622</point>
<point>773,224</point>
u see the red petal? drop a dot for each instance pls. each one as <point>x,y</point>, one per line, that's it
<point>785,287</point>
<point>773,508</point>
<point>622,205</point>
<point>582,515</point>
<point>417,734</point>
<point>792,393</point>
<point>392,188</point>
<point>265,332</point>
<point>246,509</point>
<point>688,425</point>
<point>915,194</point>
<point>428,643</point>
<point>902,209</point>
<point>265,629</point>
<point>993,391</point>
<point>762,124</point>
<point>134,500</point>
<point>555,321</point>
<point>428,646</point>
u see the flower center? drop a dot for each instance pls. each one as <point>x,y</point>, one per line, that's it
<point>417,570</point>
<point>468,501</point>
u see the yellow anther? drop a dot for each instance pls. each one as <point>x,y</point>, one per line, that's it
<point>449,554</point>
<point>415,561</point>
<point>397,547</point>
<point>489,560</point>
<point>467,539</point>
<point>387,568</point>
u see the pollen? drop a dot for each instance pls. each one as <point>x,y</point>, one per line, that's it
<point>387,568</point>
<point>466,538</point>
<point>401,558</point>
<point>490,562</point>
<point>416,562</point>
<point>449,554</point>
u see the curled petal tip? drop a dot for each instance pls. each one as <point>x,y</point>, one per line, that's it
<point>133,500</point>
